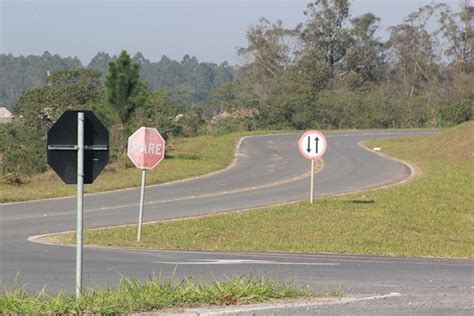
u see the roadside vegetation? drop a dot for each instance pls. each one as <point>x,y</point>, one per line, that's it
<point>431,215</point>
<point>185,157</point>
<point>155,294</point>
<point>332,71</point>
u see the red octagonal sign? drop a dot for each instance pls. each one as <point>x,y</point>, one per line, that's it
<point>146,148</point>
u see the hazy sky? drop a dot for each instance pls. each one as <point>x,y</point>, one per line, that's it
<point>209,30</point>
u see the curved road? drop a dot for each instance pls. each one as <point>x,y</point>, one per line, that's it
<point>268,170</point>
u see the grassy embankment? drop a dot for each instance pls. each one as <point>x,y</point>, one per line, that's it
<point>153,295</point>
<point>186,157</point>
<point>429,216</point>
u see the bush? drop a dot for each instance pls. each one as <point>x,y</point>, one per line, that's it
<point>454,114</point>
<point>238,120</point>
<point>23,151</point>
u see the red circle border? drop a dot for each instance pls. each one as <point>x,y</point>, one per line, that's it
<point>302,151</point>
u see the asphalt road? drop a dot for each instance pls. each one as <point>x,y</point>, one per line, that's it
<point>268,170</point>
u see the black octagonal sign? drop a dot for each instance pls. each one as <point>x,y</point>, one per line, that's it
<point>62,147</point>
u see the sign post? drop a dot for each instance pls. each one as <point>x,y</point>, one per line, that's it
<point>146,149</point>
<point>78,155</point>
<point>312,182</point>
<point>80,200</point>
<point>142,200</point>
<point>312,146</point>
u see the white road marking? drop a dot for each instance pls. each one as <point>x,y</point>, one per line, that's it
<point>245,261</point>
<point>287,306</point>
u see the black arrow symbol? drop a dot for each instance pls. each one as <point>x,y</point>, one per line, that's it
<point>309,144</point>
<point>316,140</point>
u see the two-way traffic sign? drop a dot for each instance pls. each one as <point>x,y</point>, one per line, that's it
<point>313,145</point>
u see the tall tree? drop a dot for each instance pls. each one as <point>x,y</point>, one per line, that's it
<point>411,48</point>
<point>270,47</point>
<point>456,94</point>
<point>325,34</point>
<point>100,62</point>
<point>124,91</point>
<point>458,30</point>
<point>269,52</point>
<point>365,54</point>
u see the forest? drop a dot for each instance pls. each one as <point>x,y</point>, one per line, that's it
<point>332,71</point>
<point>190,78</point>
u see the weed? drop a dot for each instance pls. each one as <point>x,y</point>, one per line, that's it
<point>153,294</point>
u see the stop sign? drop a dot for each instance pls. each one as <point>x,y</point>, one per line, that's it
<point>146,148</point>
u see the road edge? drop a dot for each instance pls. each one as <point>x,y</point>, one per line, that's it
<point>268,307</point>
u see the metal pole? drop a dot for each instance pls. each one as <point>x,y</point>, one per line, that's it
<point>312,182</point>
<point>142,198</point>
<point>80,200</point>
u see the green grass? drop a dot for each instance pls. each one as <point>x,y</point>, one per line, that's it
<point>432,215</point>
<point>186,157</point>
<point>152,295</point>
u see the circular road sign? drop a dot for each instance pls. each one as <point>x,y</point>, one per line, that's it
<point>312,144</point>
<point>146,148</point>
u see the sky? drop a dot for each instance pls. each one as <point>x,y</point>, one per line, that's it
<point>211,30</point>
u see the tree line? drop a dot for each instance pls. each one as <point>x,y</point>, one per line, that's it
<point>190,78</point>
<point>330,71</point>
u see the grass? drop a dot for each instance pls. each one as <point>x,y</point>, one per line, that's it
<point>154,294</point>
<point>432,215</point>
<point>186,157</point>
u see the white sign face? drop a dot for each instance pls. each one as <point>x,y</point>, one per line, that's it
<point>146,148</point>
<point>312,144</point>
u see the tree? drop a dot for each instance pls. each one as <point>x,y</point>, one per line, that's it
<point>67,90</point>
<point>411,49</point>
<point>269,53</point>
<point>270,47</point>
<point>458,30</point>
<point>365,54</point>
<point>455,94</point>
<point>100,62</point>
<point>18,74</point>
<point>124,91</point>
<point>224,74</point>
<point>326,39</point>
<point>23,141</point>
<point>159,111</point>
